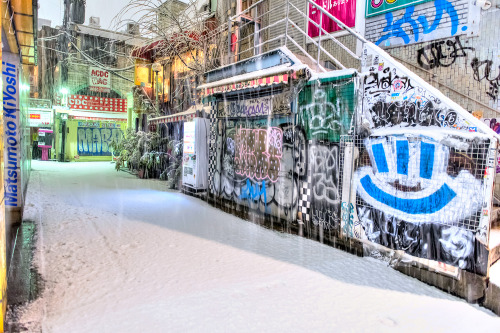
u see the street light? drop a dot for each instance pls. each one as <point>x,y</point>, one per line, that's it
<point>64,91</point>
<point>156,67</point>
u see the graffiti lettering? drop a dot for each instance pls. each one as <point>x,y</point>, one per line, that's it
<point>483,71</point>
<point>254,192</point>
<point>258,153</point>
<point>246,108</point>
<point>230,145</point>
<point>325,173</point>
<point>377,83</point>
<point>348,219</point>
<point>408,25</point>
<point>442,53</point>
<point>324,218</point>
<point>323,116</point>
<point>95,141</point>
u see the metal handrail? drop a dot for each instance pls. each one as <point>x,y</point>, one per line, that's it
<point>326,33</point>
<point>263,43</point>
<point>262,29</point>
<point>352,32</point>
<point>323,34</point>
<point>318,45</point>
<point>305,52</point>
<point>247,10</point>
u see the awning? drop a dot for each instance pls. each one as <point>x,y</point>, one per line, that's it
<point>266,77</point>
<point>20,17</point>
<point>88,115</point>
<point>187,115</point>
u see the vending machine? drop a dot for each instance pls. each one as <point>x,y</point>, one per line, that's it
<point>195,154</point>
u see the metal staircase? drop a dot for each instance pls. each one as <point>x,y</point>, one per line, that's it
<point>268,24</point>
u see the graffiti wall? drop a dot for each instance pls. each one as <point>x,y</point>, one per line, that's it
<point>418,22</point>
<point>455,48</point>
<point>93,139</point>
<point>283,161</point>
<point>255,165</point>
<point>423,170</point>
<point>383,158</point>
<point>326,109</point>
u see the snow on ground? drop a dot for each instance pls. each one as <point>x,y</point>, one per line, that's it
<point>121,254</point>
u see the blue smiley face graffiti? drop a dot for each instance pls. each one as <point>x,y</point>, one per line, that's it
<point>408,180</point>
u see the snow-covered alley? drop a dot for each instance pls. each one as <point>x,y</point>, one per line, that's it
<point>122,254</point>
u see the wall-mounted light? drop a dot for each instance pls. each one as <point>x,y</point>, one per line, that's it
<point>484,4</point>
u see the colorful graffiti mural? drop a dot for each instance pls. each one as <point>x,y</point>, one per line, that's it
<point>413,27</point>
<point>405,169</point>
<point>420,190</point>
<point>95,141</point>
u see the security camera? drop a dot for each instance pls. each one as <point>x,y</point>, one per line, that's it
<point>484,4</point>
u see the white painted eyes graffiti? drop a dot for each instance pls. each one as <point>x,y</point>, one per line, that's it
<point>408,179</point>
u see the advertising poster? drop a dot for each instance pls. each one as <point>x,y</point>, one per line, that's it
<point>99,80</point>
<point>189,156</point>
<point>93,103</point>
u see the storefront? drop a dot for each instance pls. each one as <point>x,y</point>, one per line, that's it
<point>40,116</point>
<point>86,129</point>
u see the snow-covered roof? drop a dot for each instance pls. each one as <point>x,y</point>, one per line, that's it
<point>254,75</point>
<point>332,74</point>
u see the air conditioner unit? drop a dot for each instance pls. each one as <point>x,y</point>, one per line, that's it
<point>95,22</point>
<point>133,29</point>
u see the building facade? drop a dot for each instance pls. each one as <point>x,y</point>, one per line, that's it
<point>334,136</point>
<point>93,99</point>
<point>18,55</point>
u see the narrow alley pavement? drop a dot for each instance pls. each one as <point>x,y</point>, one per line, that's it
<point>122,254</point>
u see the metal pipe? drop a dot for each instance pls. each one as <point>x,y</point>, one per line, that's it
<point>319,37</point>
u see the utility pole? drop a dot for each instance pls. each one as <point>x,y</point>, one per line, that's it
<point>74,12</point>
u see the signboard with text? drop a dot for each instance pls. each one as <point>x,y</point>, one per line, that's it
<point>40,119</point>
<point>344,10</point>
<point>37,103</point>
<point>377,7</point>
<point>12,130</point>
<point>97,104</point>
<point>99,80</point>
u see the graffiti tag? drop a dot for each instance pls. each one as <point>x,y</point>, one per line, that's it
<point>442,53</point>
